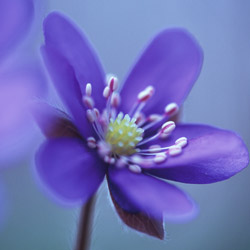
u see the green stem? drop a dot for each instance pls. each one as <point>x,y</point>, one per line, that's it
<point>84,231</point>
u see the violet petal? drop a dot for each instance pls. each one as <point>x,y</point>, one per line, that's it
<point>171,64</point>
<point>63,77</point>
<point>143,193</point>
<point>53,122</point>
<point>140,222</point>
<point>211,155</point>
<point>69,170</point>
<point>63,36</point>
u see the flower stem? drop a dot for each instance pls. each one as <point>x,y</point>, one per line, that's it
<point>83,238</point>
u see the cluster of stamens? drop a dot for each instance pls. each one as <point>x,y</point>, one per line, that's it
<point>121,137</point>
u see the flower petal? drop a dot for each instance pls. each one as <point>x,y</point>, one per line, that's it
<point>140,222</point>
<point>53,122</point>
<point>211,155</point>
<point>15,20</point>
<point>143,193</point>
<point>69,170</point>
<point>64,37</point>
<point>171,64</point>
<point>68,88</point>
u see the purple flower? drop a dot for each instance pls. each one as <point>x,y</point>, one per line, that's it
<point>21,78</point>
<point>135,147</point>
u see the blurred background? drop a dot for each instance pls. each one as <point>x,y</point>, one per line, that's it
<point>119,30</point>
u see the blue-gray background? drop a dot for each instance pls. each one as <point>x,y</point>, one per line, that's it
<point>119,30</point>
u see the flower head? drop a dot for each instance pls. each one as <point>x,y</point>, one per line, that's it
<point>126,133</point>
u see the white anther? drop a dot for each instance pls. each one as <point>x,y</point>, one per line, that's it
<point>155,146</point>
<point>171,109</point>
<point>134,168</point>
<point>145,94</point>
<point>159,158</point>
<point>115,100</point>
<point>88,89</point>
<point>109,160</point>
<point>113,84</point>
<point>103,148</point>
<point>91,141</point>
<point>167,127</point>
<point>142,161</point>
<point>164,136</point>
<point>174,150</point>
<point>182,142</point>
<point>90,115</point>
<point>140,117</point>
<point>97,112</point>
<point>88,101</point>
<point>121,163</point>
<point>154,117</point>
<point>106,92</point>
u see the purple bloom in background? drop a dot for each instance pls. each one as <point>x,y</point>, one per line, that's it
<point>128,134</point>
<point>21,78</point>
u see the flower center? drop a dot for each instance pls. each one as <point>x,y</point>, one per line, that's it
<point>120,139</point>
<point>123,135</point>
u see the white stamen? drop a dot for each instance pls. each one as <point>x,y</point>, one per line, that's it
<point>106,92</point>
<point>160,157</point>
<point>171,109</point>
<point>182,142</point>
<point>103,148</point>
<point>144,95</point>
<point>91,141</point>
<point>167,127</point>
<point>174,150</point>
<point>134,168</point>
<point>155,146</point>
<point>113,84</point>
<point>88,89</point>
<point>115,100</point>
<point>109,160</point>
<point>88,101</point>
<point>164,136</point>
<point>121,163</point>
<point>97,113</point>
<point>154,117</point>
<point>90,115</point>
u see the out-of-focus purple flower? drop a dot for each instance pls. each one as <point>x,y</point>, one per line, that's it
<point>134,147</point>
<point>21,78</point>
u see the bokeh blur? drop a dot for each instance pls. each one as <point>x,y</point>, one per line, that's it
<point>119,30</point>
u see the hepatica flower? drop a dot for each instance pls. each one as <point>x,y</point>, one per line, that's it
<point>127,135</point>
